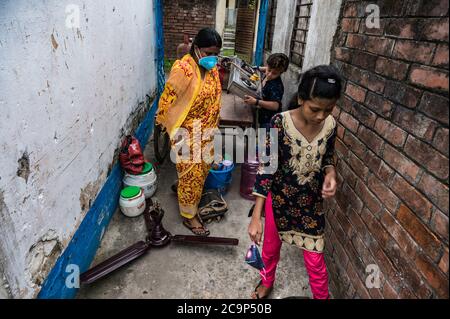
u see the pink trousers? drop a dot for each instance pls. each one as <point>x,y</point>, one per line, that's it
<point>314,262</point>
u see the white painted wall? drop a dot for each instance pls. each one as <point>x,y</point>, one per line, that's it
<point>322,28</point>
<point>221,12</point>
<point>63,102</point>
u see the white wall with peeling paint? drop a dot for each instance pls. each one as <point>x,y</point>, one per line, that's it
<point>322,28</point>
<point>66,95</point>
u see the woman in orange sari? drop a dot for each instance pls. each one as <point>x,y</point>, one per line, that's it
<point>189,108</point>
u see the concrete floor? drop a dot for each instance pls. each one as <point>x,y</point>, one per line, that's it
<point>191,272</point>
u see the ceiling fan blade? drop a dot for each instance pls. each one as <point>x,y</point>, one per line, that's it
<point>113,263</point>
<point>205,240</point>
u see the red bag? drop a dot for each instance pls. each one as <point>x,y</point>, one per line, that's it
<point>131,157</point>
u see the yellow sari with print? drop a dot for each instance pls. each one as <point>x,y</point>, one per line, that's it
<point>187,101</point>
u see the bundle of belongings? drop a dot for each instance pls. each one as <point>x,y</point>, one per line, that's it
<point>212,206</point>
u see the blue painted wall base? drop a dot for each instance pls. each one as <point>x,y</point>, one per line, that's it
<point>83,246</point>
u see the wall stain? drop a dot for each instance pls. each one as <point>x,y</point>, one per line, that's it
<point>54,43</point>
<point>42,257</point>
<point>88,194</point>
<point>24,166</point>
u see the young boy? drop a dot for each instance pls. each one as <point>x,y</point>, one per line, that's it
<point>273,89</point>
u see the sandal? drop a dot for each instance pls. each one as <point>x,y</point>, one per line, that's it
<point>256,291</point>
<point>196,230</point>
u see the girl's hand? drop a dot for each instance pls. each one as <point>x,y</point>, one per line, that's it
<point>255,230</point>
<point>249,100</point>
<point>329,184</point>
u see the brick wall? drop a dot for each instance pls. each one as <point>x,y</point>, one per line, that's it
<point>392,206</point>
<point>185,16</point>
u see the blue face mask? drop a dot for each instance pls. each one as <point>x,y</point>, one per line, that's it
<point>208,62</point>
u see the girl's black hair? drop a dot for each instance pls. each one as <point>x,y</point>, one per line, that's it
<point>205,38</point>
<point>323,81</point>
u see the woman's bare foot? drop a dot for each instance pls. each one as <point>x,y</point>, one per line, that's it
<point>261,292</point>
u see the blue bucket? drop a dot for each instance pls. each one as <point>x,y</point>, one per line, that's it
<point>219,180</point>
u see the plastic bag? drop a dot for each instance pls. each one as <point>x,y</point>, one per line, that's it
<point>131,157</point>
<point>253,258</point>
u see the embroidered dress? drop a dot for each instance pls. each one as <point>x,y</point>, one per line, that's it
<point>296,185</point>
<point>188,101</point>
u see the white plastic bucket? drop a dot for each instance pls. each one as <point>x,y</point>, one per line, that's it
<point>134,205</point>
<point>147,181</point>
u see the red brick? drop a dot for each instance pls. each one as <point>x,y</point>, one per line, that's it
<point>384,194</point>
<point>358,166</point>
<point>391,8</point>
<point>340,252</point>
<point>364,60</point>
<point>390,132</point>
<point>354,144</point>
<point>441,56</point>
<point>356,41</point>
<point>423,153</point>
<point>347,174</point>
<point>356,92</point>
<point>361,290</point>
<point>435,106</point>
<point>432,8</point>
<point>364,115</point>
<point>405,28</point>
<point>433,276</point>
<point>371,139</point>
<point>381,238</point>
<point>346,104</point>
<point>375,83</point>
<point>378,167</point>
<point>337,228</point>
<point>349,122</point>
<point>436,30</point>
<point>415,123</point>
<point>402,94</point>
<point>443,263</point>
<point>345,225</point>
<point>379,46</point>
<point>343,54</point>
<point>347,198</point>
<point>441,140</point>
<point>350,25</point>
<point>391,68</point>
<point>410,275</point>
<point>341,148</point>
<point>359,225</point>
<point>350,10</point>
<point>368,198</point>
<point>401,163</point>
<point>389,292</point>
<point>379,104</point>
<point>404,240</point>
<point>439,224</point>
<point>421,233</point>
<point>340,130</point>
<point>436,191</point>
<point>405,293</point>
<point>429,77</point>
<point>416,201</point>
<point>414,51</point>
